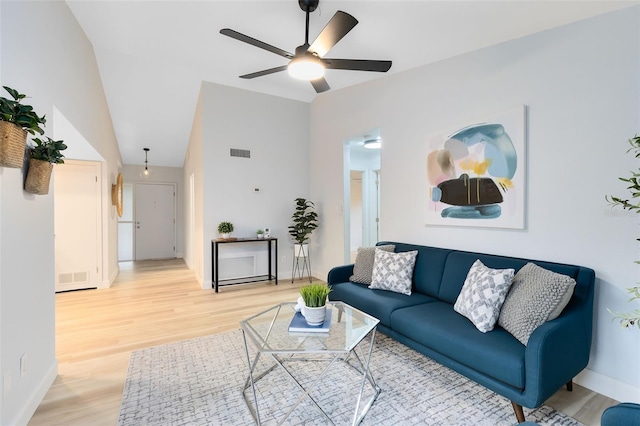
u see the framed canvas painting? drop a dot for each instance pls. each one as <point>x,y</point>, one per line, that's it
<point>476,173</point>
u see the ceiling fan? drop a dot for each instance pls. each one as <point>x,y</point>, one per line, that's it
<point>309,62</point>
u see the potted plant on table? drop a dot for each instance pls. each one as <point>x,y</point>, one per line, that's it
<point>42,157</point>
<point>260,234</point>
<point>314,297</point>
<point>16,120</point>
<point>305,220</point>
<point>225,229</point>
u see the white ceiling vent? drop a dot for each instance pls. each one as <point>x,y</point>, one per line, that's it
<point>242,153</point>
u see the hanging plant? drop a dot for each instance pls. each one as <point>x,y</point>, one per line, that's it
<point>42,158</point>
<point>16,120</point>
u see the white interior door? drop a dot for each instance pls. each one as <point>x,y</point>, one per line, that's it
<point>77,225</point>
<point>155,227</point>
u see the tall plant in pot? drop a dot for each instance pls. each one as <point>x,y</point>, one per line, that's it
<point>16,120</point>
<point>42,157</point>
<point>629,319</point>
<point>305,220</point>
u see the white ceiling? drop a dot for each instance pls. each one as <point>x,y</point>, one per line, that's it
<point>153,55</point>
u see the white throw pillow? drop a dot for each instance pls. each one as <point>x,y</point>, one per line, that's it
<point>393,271</point>
<point>483,294</point>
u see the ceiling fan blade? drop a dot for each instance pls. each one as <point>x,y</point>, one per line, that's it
<point>264,72</point>
<point>257,43</point>
<point>339,25</point>
<point>320,85</point>
<point>357,65</point>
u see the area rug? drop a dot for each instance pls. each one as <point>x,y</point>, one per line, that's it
<point>199,382</point>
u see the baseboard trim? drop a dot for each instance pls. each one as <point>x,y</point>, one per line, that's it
<point>31,404</point>
<point>608,386</point>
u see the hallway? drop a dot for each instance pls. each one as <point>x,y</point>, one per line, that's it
<point>149,304</point>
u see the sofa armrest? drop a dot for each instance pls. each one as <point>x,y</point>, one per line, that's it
<point>340,274</point>
<point>556,352</point>
<point>626,413</point>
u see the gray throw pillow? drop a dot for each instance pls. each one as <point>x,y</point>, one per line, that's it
<point>536,296</point>
<point>363,267</point>
<point>483,294</point>
<point>393,271</point>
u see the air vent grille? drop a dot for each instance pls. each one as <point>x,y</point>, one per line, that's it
<point>242,153</point>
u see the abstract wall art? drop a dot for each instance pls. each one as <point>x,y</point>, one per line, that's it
<point>476,173</point>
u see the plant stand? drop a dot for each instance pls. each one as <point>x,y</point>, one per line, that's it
<point>301,261</point>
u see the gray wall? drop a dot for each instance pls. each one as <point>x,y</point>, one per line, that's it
<point>581,84</point>
<point>45,55</point>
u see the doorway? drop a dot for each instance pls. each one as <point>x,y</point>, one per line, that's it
<point>361,193</point>
<point>77,226</point>
<point>155,221</point>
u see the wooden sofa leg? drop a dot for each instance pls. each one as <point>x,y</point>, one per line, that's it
<point>517,408</point>
<point>570,385</point>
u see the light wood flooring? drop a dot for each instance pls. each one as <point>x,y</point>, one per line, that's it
<point>157,302</point>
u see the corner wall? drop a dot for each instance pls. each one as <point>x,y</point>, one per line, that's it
<point>581,84</point>
<point>56,67</point>
<point>276,131</point>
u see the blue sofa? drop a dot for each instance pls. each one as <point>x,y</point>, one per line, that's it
<point>426,321</point>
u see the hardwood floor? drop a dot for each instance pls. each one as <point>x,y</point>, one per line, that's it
<point>156,302</point>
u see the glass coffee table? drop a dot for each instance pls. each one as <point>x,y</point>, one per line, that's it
<point>307,360</point>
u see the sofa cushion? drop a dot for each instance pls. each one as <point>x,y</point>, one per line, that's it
<point>483,294</point>
<point>437,326</point>
<point>537,295</point>
<point>363,266</point>
<point>427,272</point>
<point>393,271</point>
<point>378,303</point>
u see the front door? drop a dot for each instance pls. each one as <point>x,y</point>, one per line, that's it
<point>155,225</point>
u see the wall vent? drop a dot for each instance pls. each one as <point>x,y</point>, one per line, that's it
<point>73,277</point>
<point>242,153</point>
<point>236,267</point>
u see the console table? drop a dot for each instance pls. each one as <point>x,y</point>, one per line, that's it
<point>215,251</point>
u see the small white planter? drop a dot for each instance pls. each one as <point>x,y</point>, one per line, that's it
<point>225,235</point>
<point>301,250</point>
<point>314,316</point>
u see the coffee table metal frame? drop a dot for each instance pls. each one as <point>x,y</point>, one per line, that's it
<point>273,338</point>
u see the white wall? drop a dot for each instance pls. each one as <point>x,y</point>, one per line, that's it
<point>161,174</point>
<point>276,131</point>
<point>581,84</point>
<point>193,165</point>
<point>55,65</point>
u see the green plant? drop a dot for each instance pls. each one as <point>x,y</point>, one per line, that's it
<point>630,318</point>
<point>315,295</point>
<point>48,150</point>
<point>259,232</point>
<point>21,115</point>
<point>225,227</point>
<point>305,220</point>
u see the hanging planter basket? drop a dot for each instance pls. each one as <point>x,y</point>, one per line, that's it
<point>38,177</point>
<point>13,141</point>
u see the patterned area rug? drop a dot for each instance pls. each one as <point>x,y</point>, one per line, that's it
<point>199,382</point>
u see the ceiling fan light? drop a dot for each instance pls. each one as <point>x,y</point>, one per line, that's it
<point>306,68</point>
<point>373,143</point>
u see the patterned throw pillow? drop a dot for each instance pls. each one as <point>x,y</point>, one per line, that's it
<point>483,294</point>
<point>363,267</point>
<point>393,271</point>
<point>537,295</point>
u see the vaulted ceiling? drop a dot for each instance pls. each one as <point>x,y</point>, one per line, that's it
<point>153,55</point>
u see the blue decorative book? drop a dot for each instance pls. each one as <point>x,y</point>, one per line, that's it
<point>299,324</point>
